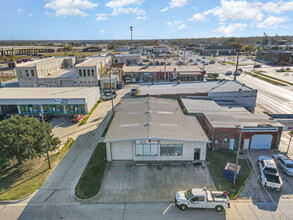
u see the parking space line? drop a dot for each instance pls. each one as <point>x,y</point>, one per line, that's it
<point>172,204</point>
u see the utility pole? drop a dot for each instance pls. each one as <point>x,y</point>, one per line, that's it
<point>111,88</point>
<point>45,140</point>
<point>165,71</point>
<point>236,64</point>
<point>291,134</point>
<point>238,150</point>
<point>131,28</point>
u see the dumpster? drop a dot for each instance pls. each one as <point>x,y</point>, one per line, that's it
<point>230,170</point>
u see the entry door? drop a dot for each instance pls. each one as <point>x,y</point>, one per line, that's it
<point>196,154</point>
<point>246,144</point>
<point>231,144</point>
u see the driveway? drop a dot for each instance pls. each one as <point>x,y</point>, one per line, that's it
<point>253,190</point>
<point>127,182</point>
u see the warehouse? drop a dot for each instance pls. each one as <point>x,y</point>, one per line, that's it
<point>154,129</point>
<point>53,101</point>
<point>224,123</point>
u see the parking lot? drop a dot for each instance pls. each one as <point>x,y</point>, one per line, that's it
<point>124,181</point>
<point>256,192</point>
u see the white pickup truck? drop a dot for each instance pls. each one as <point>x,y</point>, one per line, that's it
<point>202,198</point>
<point>270,177</point>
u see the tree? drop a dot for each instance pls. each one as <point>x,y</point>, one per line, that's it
<point>259,48</point>
<point>22,138</point>
<point>215,75</point>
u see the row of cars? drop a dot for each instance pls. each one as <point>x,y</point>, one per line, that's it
<point>269,175</point>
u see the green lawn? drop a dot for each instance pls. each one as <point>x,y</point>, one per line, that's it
<point>89,114</point>
<point>217,162</point>
<point>267,78</point>
<point>90,181</point>
<point>19,181</point>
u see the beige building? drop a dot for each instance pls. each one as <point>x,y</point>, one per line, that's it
<point>61,72</point>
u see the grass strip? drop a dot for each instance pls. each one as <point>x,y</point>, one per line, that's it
<point>217,162</point>
<point>90,181</point>
<point>266,79</point>
<point>22,180</point>
<point>89,114</point>
<point>271,77</point>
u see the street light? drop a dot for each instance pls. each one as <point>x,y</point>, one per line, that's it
<point>41,114</point>
<point>131,28</point>
<point>236,64</point>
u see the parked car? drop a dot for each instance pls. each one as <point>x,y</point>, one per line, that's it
<point>285,163</point>
<point>195,63</point>
<point>191,60</point>
<point>202,198</point>
<point>206,63</point>
<point>198,59</point>
<point>77,117</point>
<point>127,80</point>
<point>140,80</point>
<point>228,73</point>
<point>133,80</point>
<point>133,91</point>
<point>237,73</point>
<point>270,177</point>
<point>203,61</point>
<point>212,62</point>
<point>203,58</point>
<point>257,66</point>
<point>210,75</point>
<point>108,96</point>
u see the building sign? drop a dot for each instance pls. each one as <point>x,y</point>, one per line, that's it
<point>57,101</point>
<point>147,141</point>
<point>64,101</point>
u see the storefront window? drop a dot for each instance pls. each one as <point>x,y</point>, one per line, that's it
<point>146,149</point>
<point>53,109</point>
<point>75,109</point>
<point>171,149</point>
<point>30,109</point>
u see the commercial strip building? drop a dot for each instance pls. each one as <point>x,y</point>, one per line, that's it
<point>224,91</point>
<point>56,101</point>
<point>218,50</point>
<point>105,82</point>
<point>274,56</point>
<point>154,129</point>
<point>225,122</point>
<point>128,59</point>
<point>166,73</point>
<point>61,72</point>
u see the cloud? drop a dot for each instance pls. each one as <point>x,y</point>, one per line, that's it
<point>170,24</point>
<point>182,26</point>
<point>103,31</point>
<point>70,7</point>
<point>197,17</point>
<point>140,17</point>
<point>101,17</point>
<point>30,14</point>
<point>126,7</point>
<point>229,29</point>
<point>272,22</point>
<point>175,4</point>
<point>20,10</point>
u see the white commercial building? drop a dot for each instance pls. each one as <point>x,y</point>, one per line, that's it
<point>55,101</point>
<point>154,129</point>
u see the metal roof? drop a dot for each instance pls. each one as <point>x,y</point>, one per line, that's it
<point>192,88</point>
<point>92,61</point>
<point>226,116</point>
<point>154,118</point>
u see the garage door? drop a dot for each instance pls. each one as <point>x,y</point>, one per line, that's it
<point>122,151</point>
<point>261,141</point>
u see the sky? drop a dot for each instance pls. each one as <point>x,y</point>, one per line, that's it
<point>151,19</point>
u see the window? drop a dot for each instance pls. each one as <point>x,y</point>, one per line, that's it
<point>88,72</point>
<point>93,81</point>
<point>197,199</point>
<point>93,72</point>
<point>146,149</point>
<point>80,73</point>
<point>84,73</point>
<point>80,81</point>
<point>171,149</point>
<point>226,140</point>
<point>32,72</point>
<point>26,73</point>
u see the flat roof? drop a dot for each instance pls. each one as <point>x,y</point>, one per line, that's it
<point>92,61</point>
<point>155,118</point>
<point>226,116</point>
<point>61,73</point>
<point>170,68</point>
<point>46,93</point>
<point>33,63</point>
<point>192,87</point>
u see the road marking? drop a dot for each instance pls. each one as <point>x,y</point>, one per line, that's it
<point>172,204</point>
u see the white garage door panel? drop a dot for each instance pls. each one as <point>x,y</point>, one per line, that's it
<point>122,151</point>
<point>261,141</point>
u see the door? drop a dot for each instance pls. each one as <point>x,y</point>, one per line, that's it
<point>246,144</point>
<point>122,151</point>
<point>197,202</point>
<point>261,141</point>
<point>231,144</point>
<point>196,154</point>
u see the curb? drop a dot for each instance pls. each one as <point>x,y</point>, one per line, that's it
<point>16,201</point>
